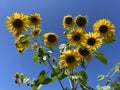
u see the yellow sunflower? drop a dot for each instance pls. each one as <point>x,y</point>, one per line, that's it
<point>34,20</point>
<point>35,32</point>
<point>17,22</point>
<point>68,21</point>
<point>81,21</point>
<point>34,46</point>
<point>92,41</point>
<point>21,45</point>
<point>69,59</point>
<point>104,27</point>
<point>75,36</point>
<point>16,34</point>
<point>110,38</point>
<point>84,53</point>
<point>50,39</point>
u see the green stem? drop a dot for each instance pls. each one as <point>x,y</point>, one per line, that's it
<point>56,75</point>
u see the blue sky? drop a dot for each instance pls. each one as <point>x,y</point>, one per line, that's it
<point>52,12</point>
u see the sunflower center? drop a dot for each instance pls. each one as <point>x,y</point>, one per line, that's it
<point>70,59</point>
<point>83,52</point>
<point>81,21</point>
<point>17,23</point>
<point>34,19</point>
<point>91,41</point>
<point>36,32</point>
<point>76,37</point>
<point>51,38</point>
<point>68,20</point>
<point>103,29</point>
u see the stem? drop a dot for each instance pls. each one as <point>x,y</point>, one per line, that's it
<point>113,74</point>
<point>56,75</point>
<point>72,81</point>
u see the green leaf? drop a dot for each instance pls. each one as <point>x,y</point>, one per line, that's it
<point>46,81</point>
<point>53,79</point>
<point>116,86</point>
<point>82,77</point>
<point>34,87</point>
<point>42,76</point>
<point>36,58</point>
<point>101,57</point>
<point>101,77</point>
<point>27,37</point>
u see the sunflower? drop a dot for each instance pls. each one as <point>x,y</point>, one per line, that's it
<point>104,27</point>
<point>75,36</point>
<point>50,39</point>
<point>17,22</point>
<point>109,39</point>
<point>81,21</point>
<point>84,53</point>
<point>68,21</point>
<point>35,32</point>
<point>21,45</point>
<point>34,46</point>
<point>69,59</point>
<point>34,20</point>
<point>16,34</point>
<point>92,41</point>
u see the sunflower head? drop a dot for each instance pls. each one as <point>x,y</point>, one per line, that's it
<point>50,39</point>
<point>34,20</point>
<point>35,32</point>
<point>104,27</point>
<point>92,41</point>
<point>68,21</point>
<point>21,45</point>
<point>17,22</point>
<point>69,59</point>
<point>75,36</point>
<point>81,21</point>
<point>84,53</point>
<point>34,46</point>
<point>109,39</point>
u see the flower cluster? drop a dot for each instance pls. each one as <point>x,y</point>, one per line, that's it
<point>20,25</point>
<point>81,46</point>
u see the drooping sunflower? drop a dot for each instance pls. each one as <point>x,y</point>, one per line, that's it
<point>81,21</point>
<point>92,41</point>
<point>34,20</point>
<point>17,22</point>
<point>68,21</point>
<point>104,27</point>
<point>50,39</point>
<point>21,45</point>
<point>84,53</point>
<point>69,59</point>
<point>75,36</point>
<point>35,32</point>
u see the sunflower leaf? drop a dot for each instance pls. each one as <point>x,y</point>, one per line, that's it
<point>36,58</point>
<point>27,37</point>
<point>101,57</point>
<point>101,77</point>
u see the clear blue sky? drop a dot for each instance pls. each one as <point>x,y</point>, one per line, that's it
<point>52,12</point>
